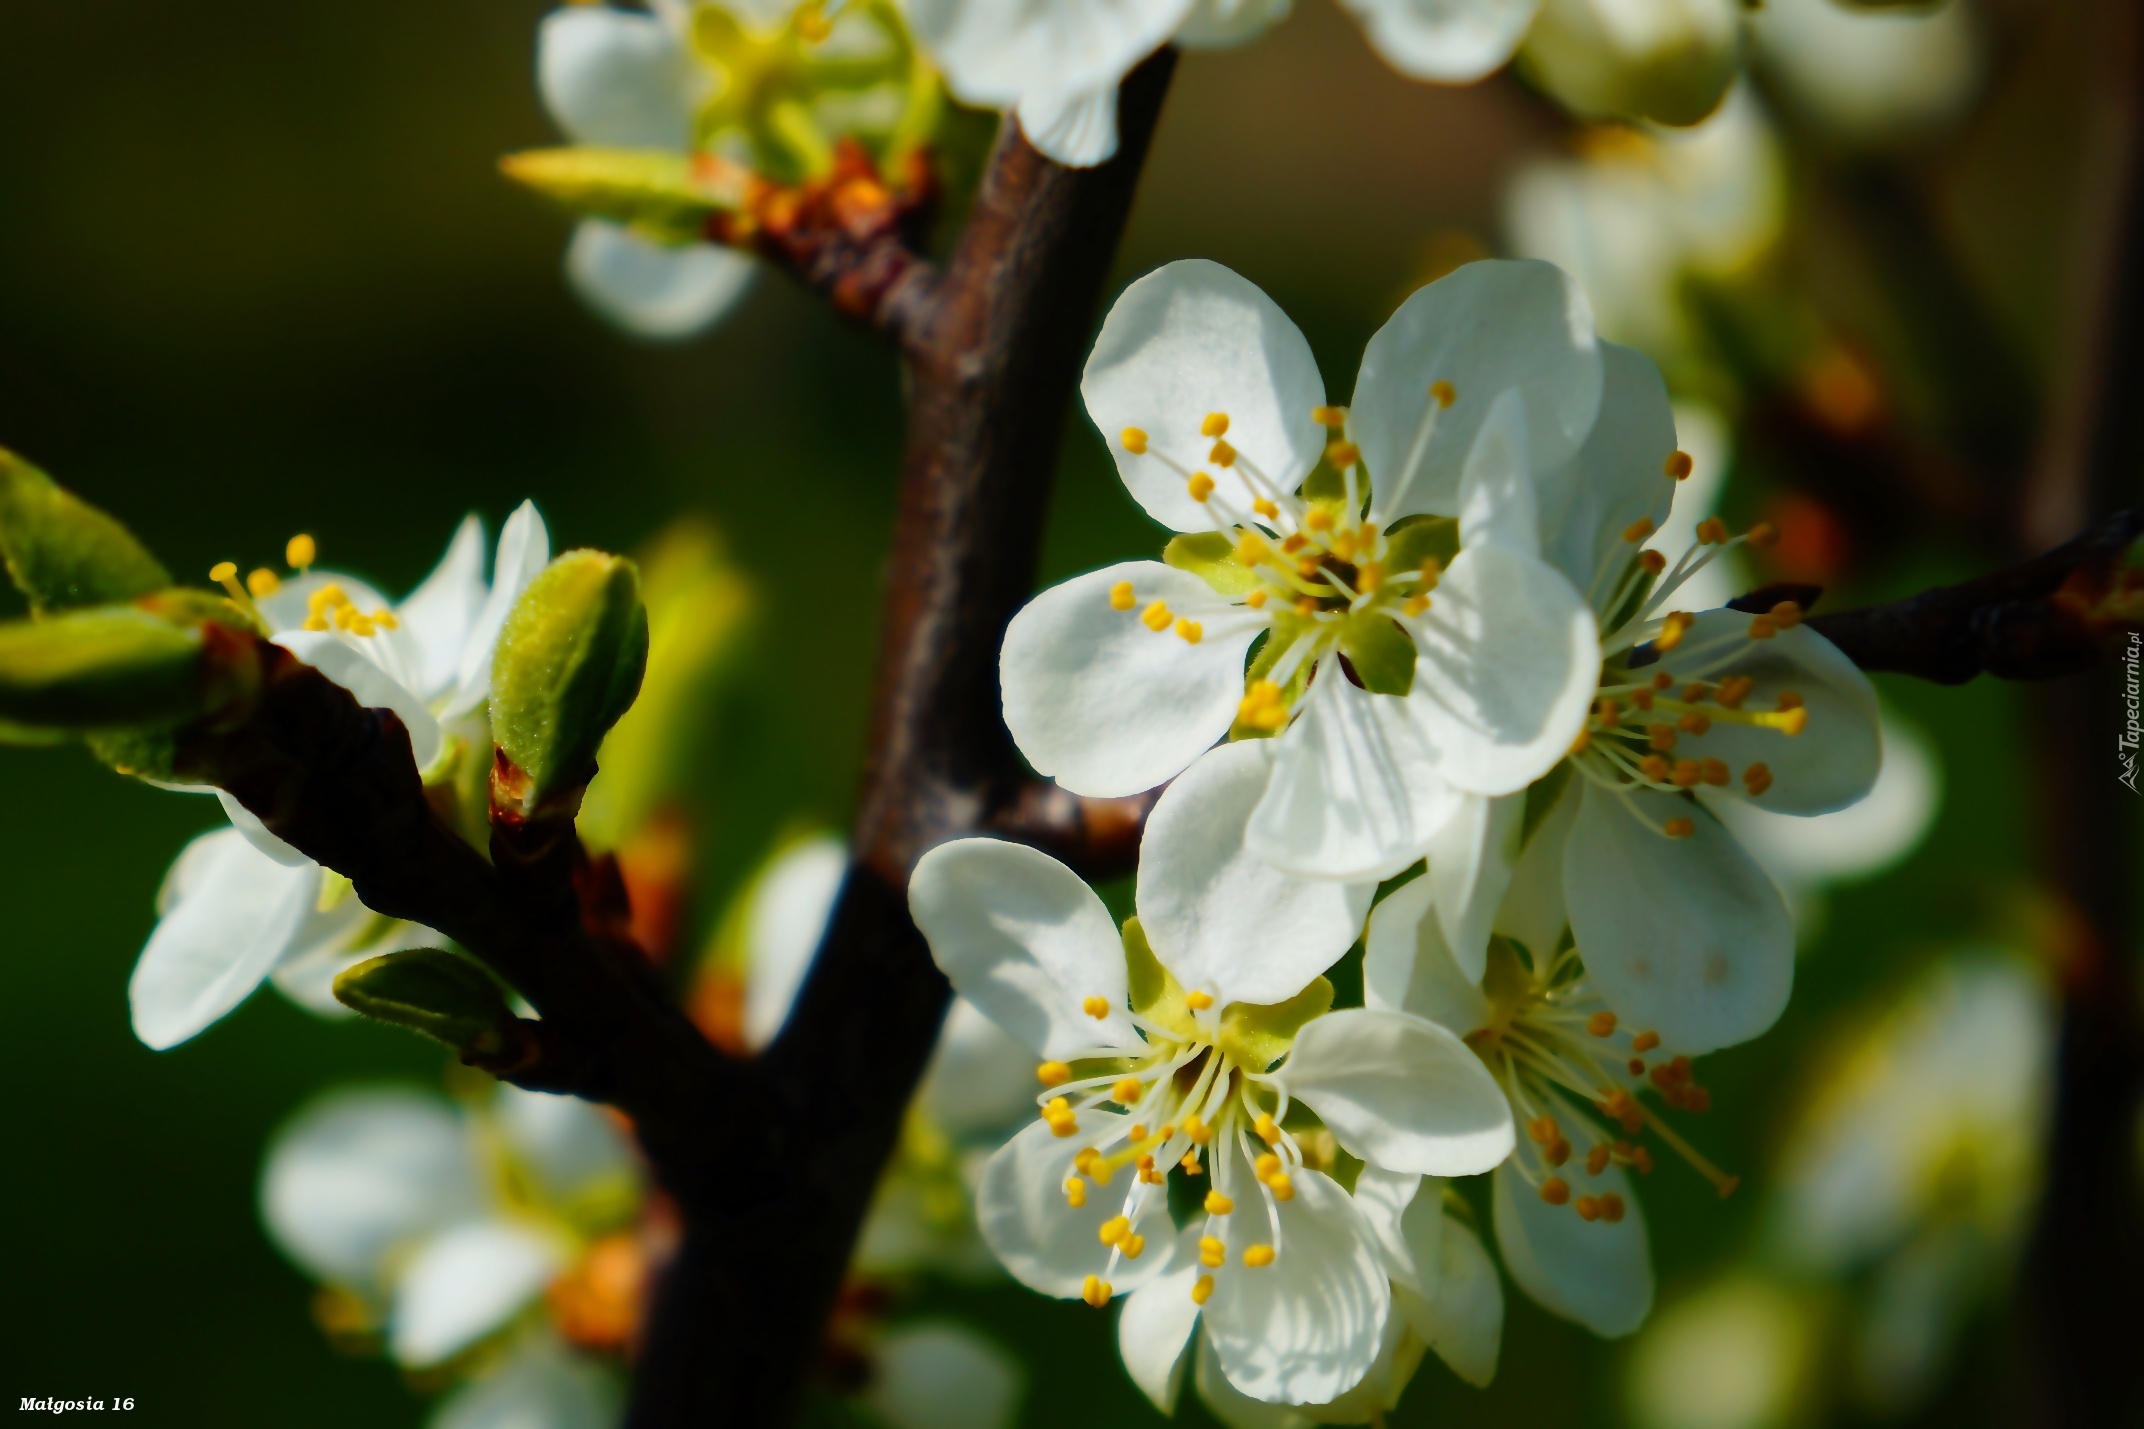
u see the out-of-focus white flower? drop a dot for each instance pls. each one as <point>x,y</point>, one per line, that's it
<point>1202,1025</point>
<point>542,1383</point>
<point>1640,211</point>
<point>1666,60</point>
<point>1919,1159</point>
<point>1735,1355</point>
<point>935,1374</point>
<point>1873,76</point>
<point>240,905</point>
<point>440,1226</point>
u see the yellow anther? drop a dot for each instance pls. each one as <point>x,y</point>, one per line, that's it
<point>1786,615</point>
<point>1121,596</point>
<point>1202,1290</point>
<point>1095,1292</point>
<point>1075,1193</point>
<point>1166,1131</point>
<point>1131,1245</point>
<point>1653,562</point>
<point>1661,737</point>
<point>1198,999</point>
<point>1612,1207</point>
<point>1609,711</point>
<point>1601,1024</point>
<point>1053,1074</point>
<point>1256,600</point>
<point>1679,828</point>
<point>1678,464</point>
<point>1139,1134</point>
<point>1215,425</point>
<point>1343,454</point>
<point>1267,1130</point>
<point>1757,778</point>
<point>1126,1090</point>
<point>1308,567</point>
<point>1645,1042</point>
<point>1588,1208</point>
<point>1370,577</point>
<point>1264,507</point>
<point>1716,772</point>
<point>1134,440</point>
<point>1056,1107</point>
<point>300,552</point>
<point>1712,531</point>
<point>1655,767</point>
<point>1733,691</point>
<point>1580,743</point>
<point>1443,393</point>
<point>1344,545</point>
<point>1296,542</point>
<point>1318,518</point>
<point>385,619</point>
<point>1251,548</point>
<point>1638,530</point>
<point>1542,1130</point>
<point>1556,1191</point>
<point>1114,1229</point>
<point>223,572</point>
<point>1218,1204</point>
<point>1196,1128</point>
<point>1157,616</point>
<point>263,583</point>
<point>1257,1257</point>
<point>1672,630</point>
<point>1688,774</point>
<point>1201,485</point>
<point>1191,631</point>
<point>1663,680</point>
<point>1062,1126</point>
<point>1790,700</point>
<point>1334,417</point>
<point>1211,1251</point>
<point>1222,455</point>
<point>1597,1159</point>
<point>1762,627</point>
<point>1266,1166</point>
<point>1282,1188</point>
<point>1696,692</point>
<point>1095,1007</point>
<point>1190,1163</point>
<point>1415,604</point>
<point>1762,536</point>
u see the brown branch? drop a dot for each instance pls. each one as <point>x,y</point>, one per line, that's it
<point>1099,838</point>
<point>2048,616</point>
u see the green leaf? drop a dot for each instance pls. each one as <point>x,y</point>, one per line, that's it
<point>1382,653</point>
<point>663,196</point>
<point>62,552</point>
<point>1211,557</point>
<point>1258,1035</point>
<point>568,665</point>
<point>1420,538</point>
<point>1156,994</point>
<point>438,994</point>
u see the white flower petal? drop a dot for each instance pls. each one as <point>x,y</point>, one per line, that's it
<point>942,1375</point>
<point>1356,791</point>
<point>544,1385</point>
<point>979,1081</point>
<point>369,685</point>
<point>994,54</point>
<point>1464,1321</point>
<point>1027,942</point>
<point>1533,909</point>
<point>1386,1198</point>
<point>359,1173</point>
<point>1509,660</point>
<point>1483,328</point>
<point>1597,1273</point>
<point>1307,1327</point>
<point>286,609</point>
<point>218,941</point>
<point>331,940</point>
<point>255,832</point>
<point>791,901</point>
<point>1686,937</point>
<point>1049,1244</point>
<point>1107,706</point>
<point>569,1147</point>
<point>1218,916</point>
<point>1858,841</point>
<point>1077,128</point>
<point>1408,966</point>
<point>1833,762</point>
<point>1154,1329</point>
<point>439,612</point>
<point>1448,41</point>
<point>1190,339</point>
<point>1231,1405</point>
<point>1222,24</point>
<point>1400,1092</point>
<point>659,291</point>
<point>1497,505</point>
<point>463,1284</point>
<point>524,550</point>
<point>616,79</point>
<point>1669,62</point>
<point>1618,477</point>
<point>1470,867</point>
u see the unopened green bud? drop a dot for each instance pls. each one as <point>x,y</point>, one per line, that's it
<point>438,994</point>
<point>662,196</point>
<point>62,552</point>
<point>117,667</point>
<point>568,664</point>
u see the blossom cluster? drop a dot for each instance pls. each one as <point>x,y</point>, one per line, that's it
<point>1416,677</point>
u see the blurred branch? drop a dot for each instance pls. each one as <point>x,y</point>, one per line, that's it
<point>1099,838</point>
<point>2048,616</point>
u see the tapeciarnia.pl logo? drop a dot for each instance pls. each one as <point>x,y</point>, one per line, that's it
<point>2132,700</point>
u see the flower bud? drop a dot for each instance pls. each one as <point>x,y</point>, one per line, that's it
<point>117,667</point>
<point>62,552</point>
<point>568,665</point>
<point>664,197</point>
<point>1669,61</point>
<point>432,992</point>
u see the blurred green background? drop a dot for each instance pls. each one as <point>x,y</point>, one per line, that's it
<point>258,274</point>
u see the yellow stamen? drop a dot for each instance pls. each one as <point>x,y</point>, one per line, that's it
<point>1264,507</point>
<point>1134,441</point>
<point>1201,1289</point>
<point>1157,616</point>
<point>1191,631</point>
<point>1053,1074</point>
<point>1215,425</point>
<point>1556,1191</point>
<point>1318,519</point>
<point>1211,1251</point>
<point>1096,1007</point>
<point>1198,1000</point>
<point>1678,465</point>
<point>1196,1128</point>
<point>1283,1189</point>
<point>1114,1229</point>
<point>1075,1193</point>
<point>1126,1090</point>
<point>1334,417</point>
<point>1676,626</point>
<point>1601,1024</point>
<point>1131,1245</point>
<point>300,552</point>
<point>1095,1292</point>
<point>1257,1257</point>
<point>1223,455</point>
<point>1638,530</point>
<point>1443,393</point>
<point>1218,1204</point>
<point>1201,485</point>
<point>1267,1130</point>
<point>1343,454</point>
<point>1121,596</point>
<point>1653,562</point>
<point>1679,828</point>
<point>1712,531</point>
